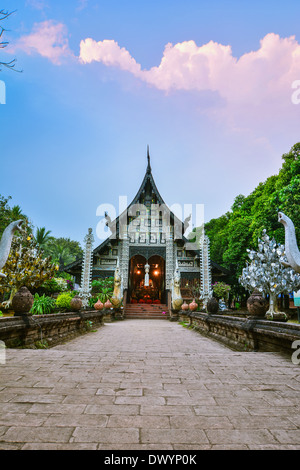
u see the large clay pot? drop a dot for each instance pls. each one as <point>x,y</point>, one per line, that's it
<point>212,305</point>
<point>184,306</point>
<point>22,302</point>
<point>108,304</point>
<point>193,305</point>
<point>98,305</point>
<point>257,305</point>
<point>76,303</point>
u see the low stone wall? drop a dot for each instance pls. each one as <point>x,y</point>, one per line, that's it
<point>40,331</point>
<point>246,334</point>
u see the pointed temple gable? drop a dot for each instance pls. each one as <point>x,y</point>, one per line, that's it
<point>147,233</point>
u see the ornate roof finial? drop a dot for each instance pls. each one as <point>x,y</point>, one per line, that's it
<point>148,158</point>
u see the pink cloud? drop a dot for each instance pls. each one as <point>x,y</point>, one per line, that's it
<point>257,77</point>
<point>49,39</point>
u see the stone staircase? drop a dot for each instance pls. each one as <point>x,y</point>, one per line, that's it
<point>146,311</point>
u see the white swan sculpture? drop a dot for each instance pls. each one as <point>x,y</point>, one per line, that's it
<point>6,240</point>
<point>291,249</point>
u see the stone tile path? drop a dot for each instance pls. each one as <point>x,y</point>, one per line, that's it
<point>148,384</point>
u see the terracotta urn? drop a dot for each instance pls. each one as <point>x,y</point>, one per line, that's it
<point>193,305</point>
<point>184,306</point>
<point>98,305</point>
<point>257,305</point>
<point>108,304</point>
<point>212,305</point>
<point>22,302</point>
<point>76,303</point>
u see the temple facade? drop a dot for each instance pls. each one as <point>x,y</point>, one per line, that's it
<point>147,244</point>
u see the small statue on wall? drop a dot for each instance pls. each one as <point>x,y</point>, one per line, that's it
<point>177,299</point>
<point>117,296</point>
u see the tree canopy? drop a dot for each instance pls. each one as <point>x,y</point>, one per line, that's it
<point>231,234</point>
<point>61,250</point>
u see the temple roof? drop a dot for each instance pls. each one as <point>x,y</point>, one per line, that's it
<point>147,190</point>
<point>148,178</point>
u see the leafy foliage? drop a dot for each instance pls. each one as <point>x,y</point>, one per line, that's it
<point>102,289</point>
<point>42,236</point>
<point>239,229</point>
<point>26,265</point>
<point>221,290</point>
<point>42,305</point>
<point>10,214</point>
<point>63,250</point>
<point>64,299</point>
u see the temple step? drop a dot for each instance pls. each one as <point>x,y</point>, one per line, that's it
<point>146,311</point>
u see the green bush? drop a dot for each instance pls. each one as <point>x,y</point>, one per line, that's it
<point>64,299</point>
<point>221,290</point>
<point>42,305</point>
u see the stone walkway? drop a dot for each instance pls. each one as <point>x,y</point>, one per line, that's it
<point>148,384</point>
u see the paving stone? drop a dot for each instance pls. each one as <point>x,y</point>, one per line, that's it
<point>38,434</point>
<point>138,421</point>
<point>56,408</point>
<point>106,435</point>
<point>240,436</point>
<point>147,385</point>
<point>112,409</point>
<point>174,436</point>
<point>76,420</point>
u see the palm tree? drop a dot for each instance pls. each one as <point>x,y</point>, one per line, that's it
<point>42,237</point>
<point>60,255</point>
<point>16,212</point>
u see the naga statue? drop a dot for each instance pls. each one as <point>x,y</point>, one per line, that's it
<point>6,241</point>
<point>117,296</point>
<point>177,300</point>
<point>291,249</point>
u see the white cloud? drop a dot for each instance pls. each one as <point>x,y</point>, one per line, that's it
<point>49,39</point>
<point>259,77</point>
<point>109,53</point>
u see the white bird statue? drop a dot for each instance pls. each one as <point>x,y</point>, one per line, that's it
<point>6,240</point>
<point>291,249</point>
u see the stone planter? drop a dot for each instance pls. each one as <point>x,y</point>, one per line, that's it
<point>212,306</point>
<point>257,305</point>
<point>22,302</point>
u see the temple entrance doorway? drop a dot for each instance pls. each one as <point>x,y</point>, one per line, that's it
<point>146,280</point>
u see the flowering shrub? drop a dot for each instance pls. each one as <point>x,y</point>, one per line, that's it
<point>61,283</point>
<point>221,289</point>
<point>56,284</point>
<point>70,284</point>
<point>25,266</point>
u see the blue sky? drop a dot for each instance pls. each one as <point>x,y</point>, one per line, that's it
<point>207,84</point>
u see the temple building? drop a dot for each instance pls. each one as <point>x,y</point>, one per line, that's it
<point>147,244</point>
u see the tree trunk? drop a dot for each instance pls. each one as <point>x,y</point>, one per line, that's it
<point>273,306</point>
